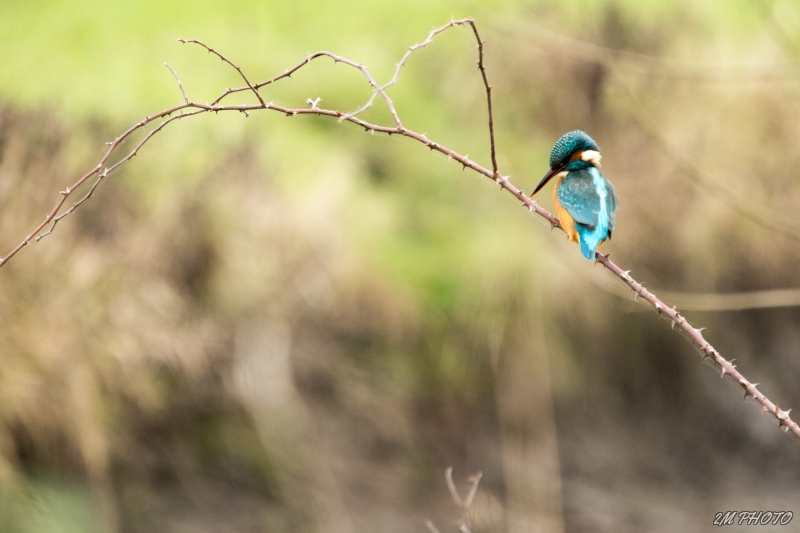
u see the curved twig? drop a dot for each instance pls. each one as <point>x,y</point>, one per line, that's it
<point>228,61</point>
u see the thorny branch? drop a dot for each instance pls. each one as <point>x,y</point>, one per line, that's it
<point>189,108</point>
<point>226,60</point>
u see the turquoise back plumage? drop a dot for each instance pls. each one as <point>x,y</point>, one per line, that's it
<point>592,201</point>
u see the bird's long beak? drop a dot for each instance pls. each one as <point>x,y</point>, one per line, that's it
<point>547,177</point>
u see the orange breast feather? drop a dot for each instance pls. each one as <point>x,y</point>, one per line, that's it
<point>567,222</point>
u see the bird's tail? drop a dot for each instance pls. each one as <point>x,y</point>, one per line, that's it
<point>586,249</point>
<point>589,240</point>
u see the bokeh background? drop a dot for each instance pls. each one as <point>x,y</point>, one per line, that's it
<point>285,324</point>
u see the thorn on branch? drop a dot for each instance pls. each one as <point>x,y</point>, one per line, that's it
<point>638,292</point>
<point>783,417</point>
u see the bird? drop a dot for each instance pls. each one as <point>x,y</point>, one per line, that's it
<point>585,201</point>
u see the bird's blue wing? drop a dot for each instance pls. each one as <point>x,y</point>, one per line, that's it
<point>579,196</point>
<point>592,202</point>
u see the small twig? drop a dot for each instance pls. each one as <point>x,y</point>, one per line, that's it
<point>488,87</point>
<point>451,487</point>
<point>231,63</point>
<point>466,504</point>
<point>400,64</point>
<point>377,89</point>
<point>111,169</point>
<point>473,490</point>
<point>180,85</point>
<point>431,527</point>
<point>63,195</point>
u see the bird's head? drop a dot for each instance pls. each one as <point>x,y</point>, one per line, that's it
<point>574,150</point>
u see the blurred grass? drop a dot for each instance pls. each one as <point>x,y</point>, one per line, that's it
<point>288,324</point>
<point>48,506</point>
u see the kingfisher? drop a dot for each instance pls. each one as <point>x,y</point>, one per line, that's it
<point>585,201</point>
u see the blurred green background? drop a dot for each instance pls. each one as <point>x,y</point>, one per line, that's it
<point>286,324</point>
